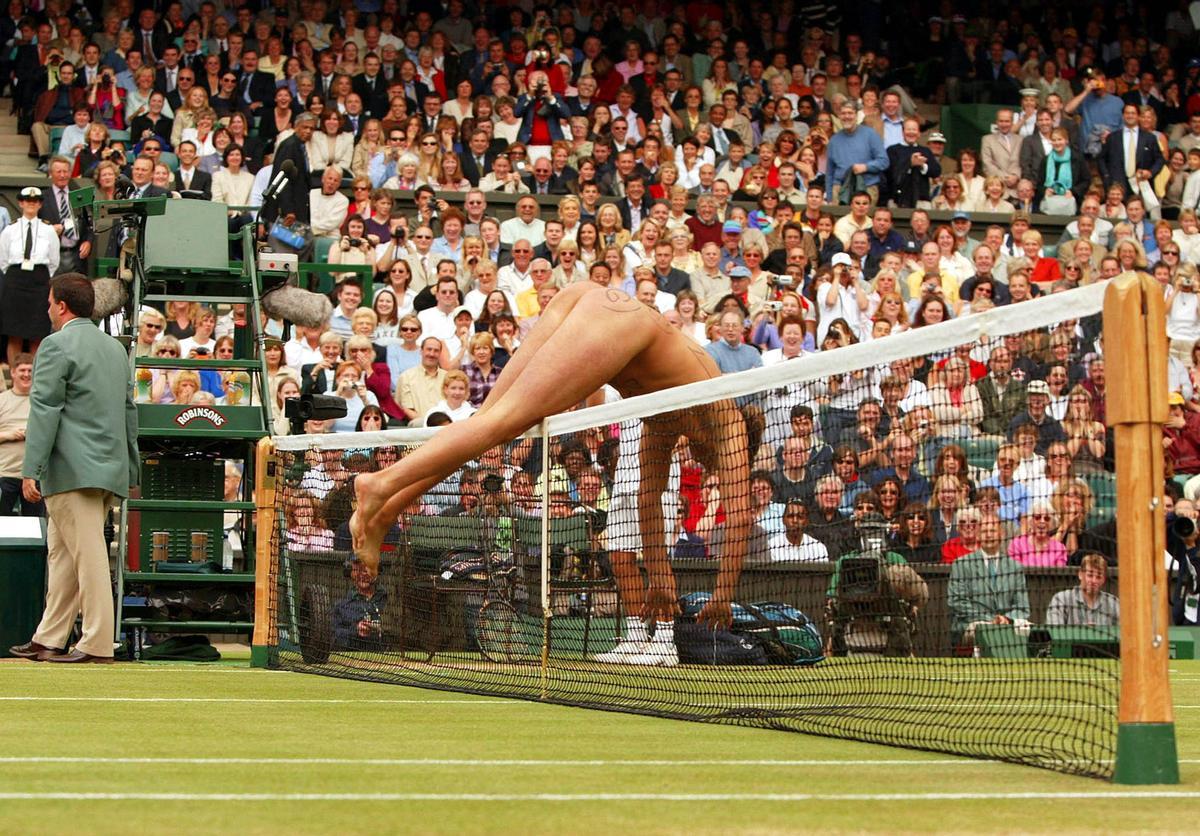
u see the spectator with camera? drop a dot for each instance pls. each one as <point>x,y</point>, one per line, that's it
<point>358,617</point>
<point>107,100</point>
<point>541,113</point>
<point>355,247</point>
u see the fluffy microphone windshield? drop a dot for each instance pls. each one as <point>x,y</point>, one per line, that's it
<point>297,305</point>
<point>111,296</point>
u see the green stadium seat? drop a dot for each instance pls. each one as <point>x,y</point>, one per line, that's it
<point>1099,516</point>
<point>981,452</point>
<point>118,136</point>
<point>321,248</point>
<point>56,133</point>
<point>170,161</point>
<point>430,538</point>
<point>1104,489</point>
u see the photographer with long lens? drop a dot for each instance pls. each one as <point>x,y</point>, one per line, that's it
<point>542,114</point>
<point>1183,546</point>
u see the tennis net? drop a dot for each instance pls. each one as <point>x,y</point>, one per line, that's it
<point>913,533</point>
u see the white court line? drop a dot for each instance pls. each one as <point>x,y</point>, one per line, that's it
<point>40,759</point>
<point>578,797</point>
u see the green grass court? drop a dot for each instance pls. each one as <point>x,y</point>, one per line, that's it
<point>179,748</point>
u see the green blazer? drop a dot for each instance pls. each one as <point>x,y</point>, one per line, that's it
<point>976,594</point>
<point>82,430</point>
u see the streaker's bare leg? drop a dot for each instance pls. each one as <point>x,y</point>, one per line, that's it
<point>629,581</point>
<point>725,452</point>
<point>588,348</point>
<point>655,459</point>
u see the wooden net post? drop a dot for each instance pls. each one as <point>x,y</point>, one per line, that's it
<point>1135,343</point>
<point>265,626</point>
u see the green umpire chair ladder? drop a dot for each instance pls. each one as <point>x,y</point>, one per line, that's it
<point>172,543</point>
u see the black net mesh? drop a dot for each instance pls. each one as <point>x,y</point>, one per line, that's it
<point>910,542</point>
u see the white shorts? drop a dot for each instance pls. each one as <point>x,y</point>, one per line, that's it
<point>623,530</point>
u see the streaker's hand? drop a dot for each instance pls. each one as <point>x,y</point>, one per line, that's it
<point>716,614</point>
<point>660,604</point>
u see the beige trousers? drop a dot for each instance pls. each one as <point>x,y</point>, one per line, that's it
<point>77,572</point>
<point>40,132</point>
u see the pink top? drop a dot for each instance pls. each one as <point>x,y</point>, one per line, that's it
<point>1025,551</point>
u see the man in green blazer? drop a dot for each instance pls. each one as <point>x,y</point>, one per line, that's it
<point>986,586</point>
<point>80,454</point>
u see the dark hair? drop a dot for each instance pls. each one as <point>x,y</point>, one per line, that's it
<point>229,149</point>
<point>842,451</point>
<point>369,410</point>
<point>76,292</point>
<point>915,508</point>
<point>741,305</point>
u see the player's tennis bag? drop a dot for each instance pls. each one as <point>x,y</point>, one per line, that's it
<point>767,633</point>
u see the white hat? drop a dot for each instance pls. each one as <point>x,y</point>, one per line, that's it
<point>30,193</point>
<point>842,258</point>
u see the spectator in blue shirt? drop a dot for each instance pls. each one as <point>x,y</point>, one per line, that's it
<point>903,451</point>
<point>731,352</point>
<point>1099,112</point>
<point>733,355</point>
<point>858,151</point>
<point>1014,496</point>
<point>882,237</point>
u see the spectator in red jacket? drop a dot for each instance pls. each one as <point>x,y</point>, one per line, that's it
<point>1181,436</point>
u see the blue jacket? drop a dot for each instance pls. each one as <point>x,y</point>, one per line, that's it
<point>847,150</point>
<point>527,107</point>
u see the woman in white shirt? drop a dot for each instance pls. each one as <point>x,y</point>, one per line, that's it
<point>950,260</point>
<point>202,134</point>
<point>509,125</point>
<point>688,162</point>
<point>692,321</point>
<point>455,389</point>
<point>205,325</point>
<point>28,258</point>
<point>1183,313</point>
<point>333,145</point>
<point>232,184</point>
<point>1188,237</point>
<point>461,107</point>
<point>641,251</point>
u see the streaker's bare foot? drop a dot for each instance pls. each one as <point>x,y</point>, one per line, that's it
<point>366,533</point>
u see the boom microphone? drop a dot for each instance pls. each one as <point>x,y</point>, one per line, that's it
<point>111,296</point>
<point>297,305</point>
<point>286,169</point>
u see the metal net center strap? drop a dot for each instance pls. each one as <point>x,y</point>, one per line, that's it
<point>909,541</point>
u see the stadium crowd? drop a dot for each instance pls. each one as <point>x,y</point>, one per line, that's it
<point>695,150</point>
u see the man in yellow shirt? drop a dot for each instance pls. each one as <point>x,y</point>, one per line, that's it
<point>420,388</point>
<point>527,299</point>
<point>928,278</point>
